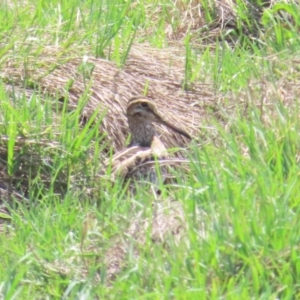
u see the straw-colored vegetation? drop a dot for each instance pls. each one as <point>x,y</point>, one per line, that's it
<point>225,71</point>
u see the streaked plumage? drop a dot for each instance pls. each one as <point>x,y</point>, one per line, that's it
<point>138,160</point>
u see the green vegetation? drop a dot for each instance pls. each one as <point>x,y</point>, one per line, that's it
<point>240,196</point>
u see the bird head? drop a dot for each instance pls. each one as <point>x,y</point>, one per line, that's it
<point>144,110</point>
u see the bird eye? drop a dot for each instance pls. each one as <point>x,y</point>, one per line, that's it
<point>144,104</point>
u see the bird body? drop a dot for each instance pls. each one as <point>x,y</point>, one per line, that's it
<point>138,160</point>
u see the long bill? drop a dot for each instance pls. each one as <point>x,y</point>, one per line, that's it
<point>171,126</point>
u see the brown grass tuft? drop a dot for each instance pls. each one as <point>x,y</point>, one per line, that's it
<point>159,73</point>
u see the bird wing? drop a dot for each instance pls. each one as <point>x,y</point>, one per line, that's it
<point>127,159</point>
<point>124,161</point>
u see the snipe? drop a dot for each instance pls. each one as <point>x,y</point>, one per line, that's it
<point>138,160</point>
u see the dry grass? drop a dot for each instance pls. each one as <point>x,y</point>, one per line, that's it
<point>214,20</point>
<point>158,72</point>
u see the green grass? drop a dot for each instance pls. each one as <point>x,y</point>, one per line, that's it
<point>240,197</point>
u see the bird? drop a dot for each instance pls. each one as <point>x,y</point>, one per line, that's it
<point>138,160</point>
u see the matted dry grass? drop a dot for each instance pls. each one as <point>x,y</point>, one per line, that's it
<point>159,72</point>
